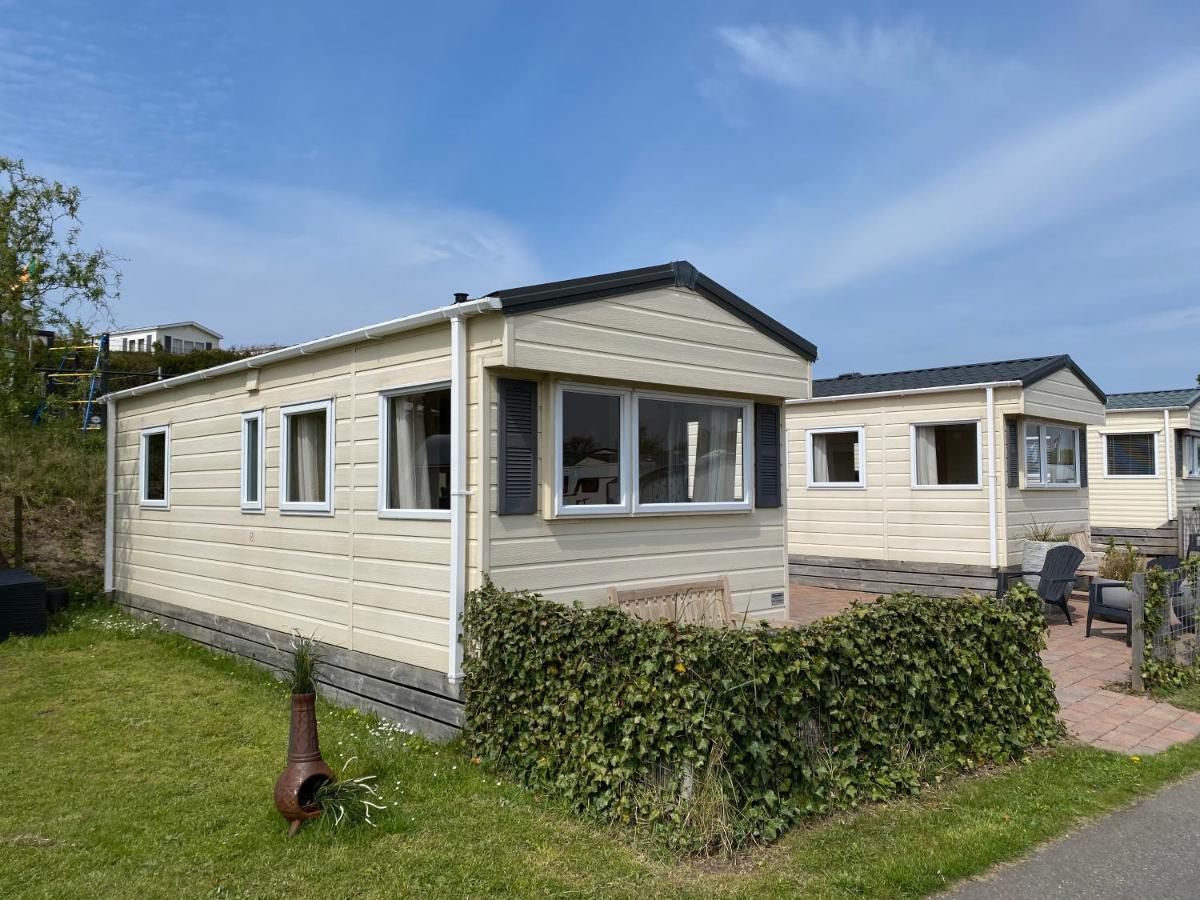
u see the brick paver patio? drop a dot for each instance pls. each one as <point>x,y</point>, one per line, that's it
<point>1081,667</point>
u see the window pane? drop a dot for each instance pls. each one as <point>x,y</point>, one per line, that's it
<point>1130,454</point>
<point>591,449</point>
<point>1060,455</point>
<point>418,465</point>
<point>689,452</point>
<point>250,458</point>
<point>306,457</point>
<point>835,458</point>
<point>1033,455</point>
<point>947,454</point>
<point>156,466</point>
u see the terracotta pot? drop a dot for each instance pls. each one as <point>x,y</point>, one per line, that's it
<point>306,770</point>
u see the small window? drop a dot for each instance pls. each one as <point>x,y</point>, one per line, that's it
<point>946,455</point>
<point>415,452</point>
<point>1051,455</point>
<point>252,461</point>
<point>1131,455</point>
<point>691,454</point>
<point>835,458</point>
<point>306,458</point>
<point>1191,456</point>
<point>592,447</point>
<point>154,469</point>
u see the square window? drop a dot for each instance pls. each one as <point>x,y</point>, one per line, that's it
<point>835,458</point>
<point>946,455</point>
<point>252,461</point>
<point>154,469</point>
<point>306,458</point>
<point>592,446</point>
<point>415,451</point>
<point>1131,455</point>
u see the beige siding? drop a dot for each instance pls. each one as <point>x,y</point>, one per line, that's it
<point>889,518</point>
<point>370,584</point>
<point>1063,397</point>
<point>1125,502</point>
<point>667,337</point>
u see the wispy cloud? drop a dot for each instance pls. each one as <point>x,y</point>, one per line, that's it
<point>880,58</point>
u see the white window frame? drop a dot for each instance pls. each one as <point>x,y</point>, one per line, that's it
<point>624,455</point>
<point>1157,449</point>
<point>1040,427</point>
<point>143,500</point>
<point>813,484</point>
<point>259,505</point>
<point>289,507</point>
<point>717,506</point>
<point>912,456</point>
<point>1191,466</point>
<point>385,397</point>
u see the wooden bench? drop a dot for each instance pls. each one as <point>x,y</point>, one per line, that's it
<point>695,602</point>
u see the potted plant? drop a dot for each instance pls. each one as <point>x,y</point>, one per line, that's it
<point>1039,540</point>
<point>296,790</point>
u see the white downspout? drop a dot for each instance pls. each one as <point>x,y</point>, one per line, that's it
<point>110,493</point>
<point>458,491</point>
<point>1168,446</point>
<point>993,550</point>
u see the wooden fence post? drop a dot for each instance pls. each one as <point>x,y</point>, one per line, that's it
<point>1139,635</point>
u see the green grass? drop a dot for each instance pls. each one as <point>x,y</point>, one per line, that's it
<point>139,765</point>
<point>1185,697</point>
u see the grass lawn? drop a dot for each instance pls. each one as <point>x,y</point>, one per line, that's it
<point>140,765</point>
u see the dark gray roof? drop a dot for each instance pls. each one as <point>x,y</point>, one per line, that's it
<point>1026,371</point>
<point>531,298</point>
<point>1154,399</point>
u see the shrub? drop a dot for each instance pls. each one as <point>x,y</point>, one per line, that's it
<point>1119,563</point>
<point>712,736</point>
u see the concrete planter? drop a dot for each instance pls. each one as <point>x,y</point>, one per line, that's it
<point>1033,555</point>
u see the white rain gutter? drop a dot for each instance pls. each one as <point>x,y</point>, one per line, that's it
<point>345,338</point>
<point>993,549</point>
<point>1168,446</point>
<point>110,493</point>
<point>904,393</point>
<point>458,491</point>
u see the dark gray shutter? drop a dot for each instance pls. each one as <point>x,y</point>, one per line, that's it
<point>1083,447</point>
<point>1012,462</point>
<point>517,431</point>
<point>1179,453</point>
<point>768,474</point>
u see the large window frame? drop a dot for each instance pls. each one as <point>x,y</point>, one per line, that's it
<point>301,507</point>
<point>624,452</point>
<point>630,503</point>
<point>1037,428</point>
<point>1153,458</point>
<point>811,483</point>
<point>912,456</point>
<point>249,505</point>
<point>143,470</point>
<point>1191,459</point>
<point>385,450</point>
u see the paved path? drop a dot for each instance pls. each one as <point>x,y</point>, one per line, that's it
<point>1148,851</point>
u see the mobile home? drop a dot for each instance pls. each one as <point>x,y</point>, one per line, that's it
<point>622,430</point>
<point>928,479</point>
<point>1150,481</point>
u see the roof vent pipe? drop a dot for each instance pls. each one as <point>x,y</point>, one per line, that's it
<point>461,297</point>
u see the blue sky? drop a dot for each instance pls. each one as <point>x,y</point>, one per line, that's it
<point>905,185</point>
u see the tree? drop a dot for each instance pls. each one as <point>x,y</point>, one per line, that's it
<point>47,280</point>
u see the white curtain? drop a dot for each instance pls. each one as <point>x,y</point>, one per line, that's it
<point>820,460</point>
<point>716,453</point>
<point>926,456</point>
<point>408,463</point>
<point>306,463</point>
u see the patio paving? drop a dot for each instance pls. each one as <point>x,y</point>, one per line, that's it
<point>1081,668</point>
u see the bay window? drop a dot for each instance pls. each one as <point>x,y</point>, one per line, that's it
<point>1191,456</point>
<point>591,452</point>
<point>1051,455</point>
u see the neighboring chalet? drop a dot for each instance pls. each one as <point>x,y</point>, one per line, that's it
<point>927,480</point>
<point>177,337</point>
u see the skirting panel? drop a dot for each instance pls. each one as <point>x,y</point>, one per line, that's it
<point>419,699</point>
<point>1162,541</point>
<point>883,576</point>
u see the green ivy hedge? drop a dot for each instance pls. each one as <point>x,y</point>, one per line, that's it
<point>717,737</point>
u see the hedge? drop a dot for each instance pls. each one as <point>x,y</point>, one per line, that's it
<point>715,737</point>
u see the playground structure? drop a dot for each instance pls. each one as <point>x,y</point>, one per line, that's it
<point>72,371</point>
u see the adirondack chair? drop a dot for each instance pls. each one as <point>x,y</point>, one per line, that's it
<point>1057,578</point>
